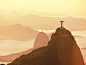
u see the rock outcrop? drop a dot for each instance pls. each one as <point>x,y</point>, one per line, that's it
<point>41,40</point>
<point>61,50</point>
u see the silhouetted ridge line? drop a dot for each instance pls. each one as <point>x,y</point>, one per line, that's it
<point>61,50</point>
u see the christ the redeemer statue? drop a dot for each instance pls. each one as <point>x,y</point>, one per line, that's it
<point>61,23</point>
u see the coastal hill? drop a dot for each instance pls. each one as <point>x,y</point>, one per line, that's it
<point>62,49</point>
<point>40,41</point>
<point>17,32</point>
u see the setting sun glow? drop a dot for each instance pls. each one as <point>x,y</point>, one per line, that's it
<point>51,6</point>
<point>69,7</point>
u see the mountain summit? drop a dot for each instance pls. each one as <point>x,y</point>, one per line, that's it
<point>13,14</point>
<point>41,40</point>
<point>61,50</point>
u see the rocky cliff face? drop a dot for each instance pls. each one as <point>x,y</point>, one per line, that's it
<point>61,50</point>
<point>41,40</point>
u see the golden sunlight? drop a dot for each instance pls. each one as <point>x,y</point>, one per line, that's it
<point>50,6</point>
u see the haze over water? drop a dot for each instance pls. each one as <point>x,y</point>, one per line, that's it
<point>12,46</point>
<point>17,12</point>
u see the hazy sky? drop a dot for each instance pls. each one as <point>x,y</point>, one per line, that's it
<point>50,6</point>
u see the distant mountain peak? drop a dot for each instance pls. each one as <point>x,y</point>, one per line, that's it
<point>16,25</point>
<point>13,14</point>
<point>17,32</point>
